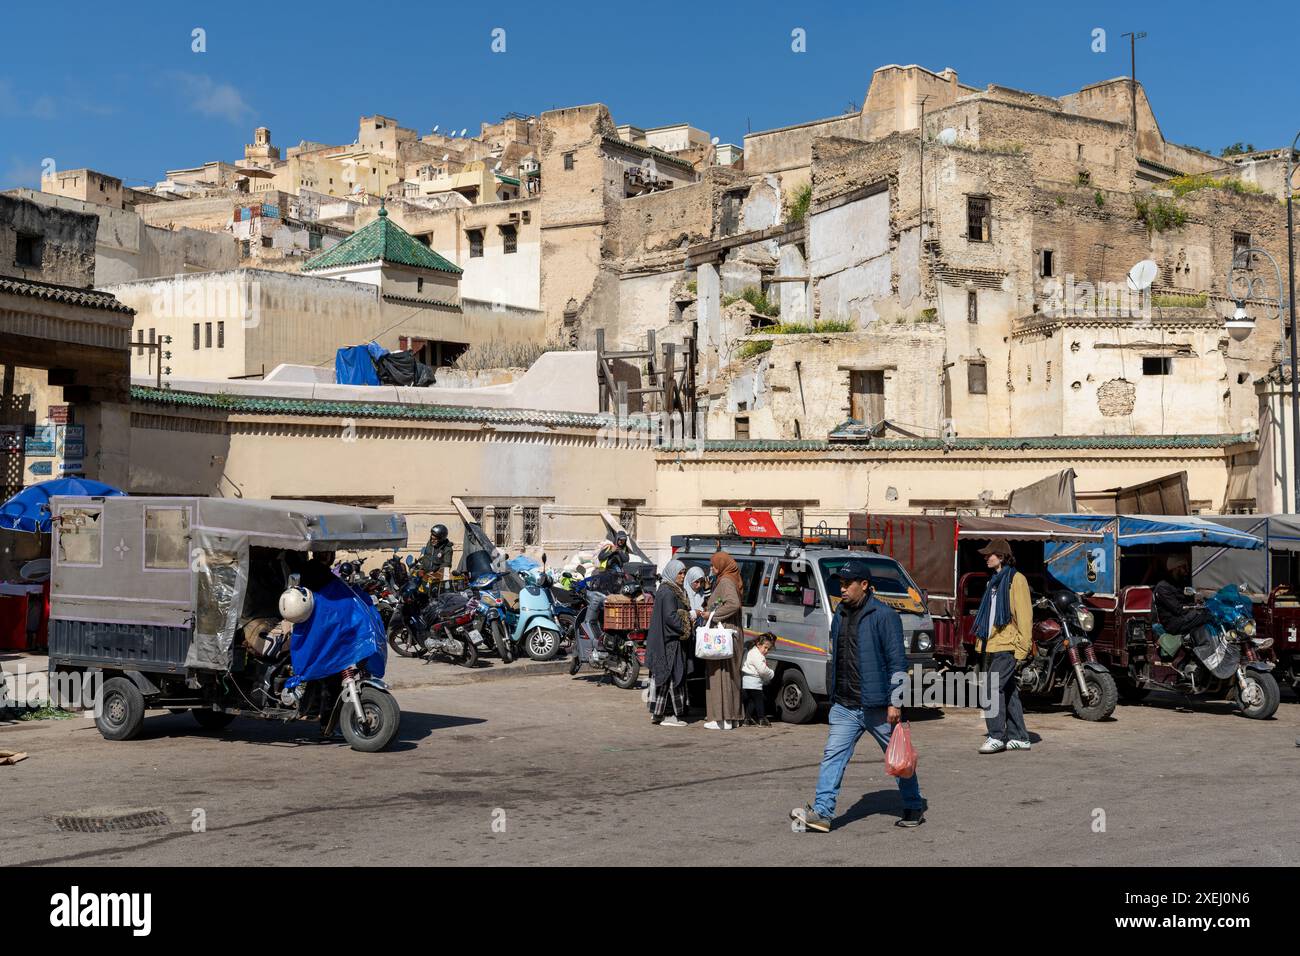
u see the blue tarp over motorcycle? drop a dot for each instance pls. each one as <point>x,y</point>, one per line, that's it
<point>344,628</point>
<point>355,365</point>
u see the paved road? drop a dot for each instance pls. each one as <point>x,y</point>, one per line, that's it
<point>577,775</point>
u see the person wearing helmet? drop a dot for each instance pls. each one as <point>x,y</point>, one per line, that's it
<point>436,555</point>
<point>613,554</point>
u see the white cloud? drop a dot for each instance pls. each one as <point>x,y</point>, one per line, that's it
<point>14,104</point>
<point>205,95</point>
<point>20,172</point>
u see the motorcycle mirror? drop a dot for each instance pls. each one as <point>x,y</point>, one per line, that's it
<point>1190,592</point>
<point>543,559</point>
<point>410,560</point>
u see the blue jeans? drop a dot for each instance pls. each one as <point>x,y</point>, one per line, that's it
<point>848,724</point>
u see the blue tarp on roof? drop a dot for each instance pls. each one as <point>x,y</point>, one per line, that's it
<point>1091,567</point>
<point>355,365</point>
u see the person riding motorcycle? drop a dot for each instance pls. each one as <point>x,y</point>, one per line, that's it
<point>437,553</point>
<point>1177,613</point>
<point>613,554</point>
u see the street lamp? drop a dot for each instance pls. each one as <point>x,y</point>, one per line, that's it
<point>1245,283</point>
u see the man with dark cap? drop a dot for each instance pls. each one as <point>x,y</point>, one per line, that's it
<point>868,661</point>
<point>1004,627</point>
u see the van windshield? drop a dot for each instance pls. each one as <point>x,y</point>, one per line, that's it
<point>887,575</point>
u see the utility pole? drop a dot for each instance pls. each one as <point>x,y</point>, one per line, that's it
<point>1290,305</point>
<point>921,217</point>
<point>1132,79</point>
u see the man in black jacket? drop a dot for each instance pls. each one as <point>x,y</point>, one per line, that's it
<point>1177,613</point>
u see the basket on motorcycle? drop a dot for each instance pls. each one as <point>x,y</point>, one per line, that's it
<point>623,613</point>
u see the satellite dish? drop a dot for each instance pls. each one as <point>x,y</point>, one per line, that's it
<point>446,156</point>
<point>435,127</point>
<point>947,136</point>
<point>1142,275</point>
<point>462,132</point>
<point>715,141</point>
<point>496,168</point>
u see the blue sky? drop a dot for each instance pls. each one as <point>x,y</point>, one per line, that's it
<point>118,88</point>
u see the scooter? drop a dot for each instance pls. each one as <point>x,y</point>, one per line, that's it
<point>537,630</point>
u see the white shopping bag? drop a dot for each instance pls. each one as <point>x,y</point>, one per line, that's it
<point>712,643</point>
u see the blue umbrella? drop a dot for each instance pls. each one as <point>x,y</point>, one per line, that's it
<point>29,510</point>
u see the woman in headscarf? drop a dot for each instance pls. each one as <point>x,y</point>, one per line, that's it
<point>696,580</point>
<point>722,695</point>
<point>670,625</point>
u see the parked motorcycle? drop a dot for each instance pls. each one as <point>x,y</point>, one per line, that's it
<point>1063,665</point>
<point>494,613</point>
<point>615,648</point>
<point>427,625</point>
<point>1218,661</point>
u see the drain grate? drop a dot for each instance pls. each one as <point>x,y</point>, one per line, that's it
<point>111,821</point>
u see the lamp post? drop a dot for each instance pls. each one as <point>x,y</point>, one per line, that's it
<point>1244,284</point>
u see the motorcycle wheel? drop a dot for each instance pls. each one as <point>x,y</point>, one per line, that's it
<point>501,641</point>
<point>627,679</point>
<point>1264,696</point>
<point>541,644</point>
<point>1096,700</point>
<point>575,664</point>
<point>403,642</point>
<point>470,657</point>
<point>382,719</point>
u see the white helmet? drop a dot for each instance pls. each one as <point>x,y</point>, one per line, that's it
<point>296,604</point>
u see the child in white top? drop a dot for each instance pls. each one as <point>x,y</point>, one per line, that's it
<point>754,673</point>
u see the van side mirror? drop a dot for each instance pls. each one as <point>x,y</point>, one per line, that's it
<point>809,597</point>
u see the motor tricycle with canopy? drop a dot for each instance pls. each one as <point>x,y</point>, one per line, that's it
<point>1270,576</point>
<point>942,554</point>
<point>1221,658</point>
<point>175,603</point>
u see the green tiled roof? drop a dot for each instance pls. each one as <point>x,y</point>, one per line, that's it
<point>90,298</point>
<point>509,180</point>
<point>1051,442</point>
<point>257,405</point>
<point>381,240</point>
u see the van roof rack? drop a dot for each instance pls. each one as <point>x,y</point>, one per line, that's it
<point>817,537</point>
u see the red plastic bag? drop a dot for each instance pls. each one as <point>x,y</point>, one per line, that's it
<point>900,755</point>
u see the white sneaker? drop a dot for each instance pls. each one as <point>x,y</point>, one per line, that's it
<point>728,724</point>
<point>1017,744</point>
<point>992,746</point>
<point>712,725</point>
<point>672,722</point>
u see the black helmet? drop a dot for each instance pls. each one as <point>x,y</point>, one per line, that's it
<point>439,531</point>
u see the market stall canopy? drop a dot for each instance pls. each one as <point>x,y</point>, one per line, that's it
<point>1213,567</point>
<point>1092,570</point>
<point>29,509</point>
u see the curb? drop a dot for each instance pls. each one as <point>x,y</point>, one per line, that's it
<point>460,675</point>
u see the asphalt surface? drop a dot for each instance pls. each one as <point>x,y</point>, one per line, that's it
<point>557,770</point>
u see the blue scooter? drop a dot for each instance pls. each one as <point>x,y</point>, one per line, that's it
<point>537,630</point>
